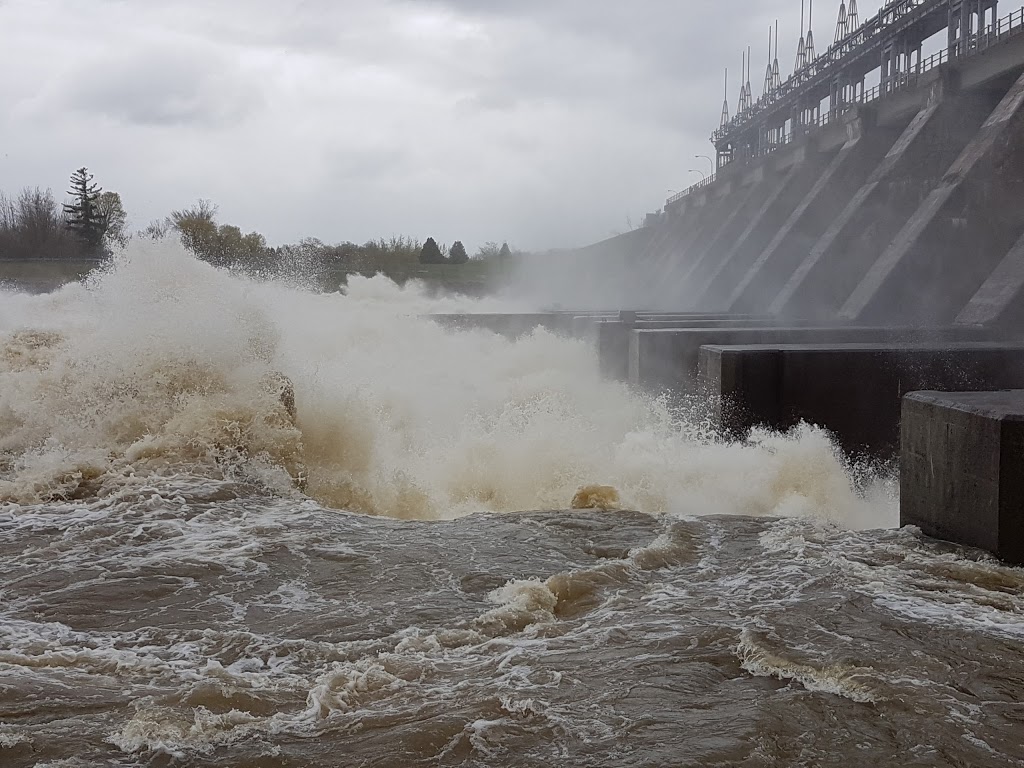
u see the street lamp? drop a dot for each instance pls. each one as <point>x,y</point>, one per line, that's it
<point>703,176</point>
<point>705,157</point>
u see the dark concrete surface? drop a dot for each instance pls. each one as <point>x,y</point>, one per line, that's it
<point>667,358</point>
<point>612,336</point>
<point>962,469</point>
<point>506,324</point>
<point>852,390</point>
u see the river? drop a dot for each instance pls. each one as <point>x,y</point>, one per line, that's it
<point>390,574</point>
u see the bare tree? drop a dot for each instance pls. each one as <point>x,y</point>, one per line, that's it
<point>32,227</point>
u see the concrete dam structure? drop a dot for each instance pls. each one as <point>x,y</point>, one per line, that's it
<point>898,203</point>
<point>861,241</point>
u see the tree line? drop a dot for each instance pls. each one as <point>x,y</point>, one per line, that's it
<point>89,225</point>
<point>92,223</point>
<point>432,253</point>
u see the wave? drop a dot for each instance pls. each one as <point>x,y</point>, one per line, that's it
<point>164,365</point>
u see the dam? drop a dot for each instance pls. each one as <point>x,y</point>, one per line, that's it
<point>861,240</point>
<point>894,203</point>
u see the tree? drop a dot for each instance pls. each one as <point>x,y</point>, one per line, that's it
<point>458,254</point>
<point>223,245</point>
<point>197,227</point>
<point>83,215</point>
<point>156,229</point>
<point>505,253</point>
<point>32,226</point>
<point>110,208</point>
<point>431,254</point>
<point>488,250</point>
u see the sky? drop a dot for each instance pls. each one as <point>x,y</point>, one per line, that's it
<point>544,123</point>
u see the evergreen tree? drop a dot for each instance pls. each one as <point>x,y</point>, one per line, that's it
<point>505,253</point>
<point>458,254</point>
<point>431,254</point>
<point>83,213</point>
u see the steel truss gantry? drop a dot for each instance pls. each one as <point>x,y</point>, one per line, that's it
<point>891,41</point>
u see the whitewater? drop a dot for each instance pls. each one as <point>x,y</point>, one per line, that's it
<point>164,364</point>
<point>247,523</point>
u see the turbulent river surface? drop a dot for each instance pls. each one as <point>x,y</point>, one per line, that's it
<point>242,524</point>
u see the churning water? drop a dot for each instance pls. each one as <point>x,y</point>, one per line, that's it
<point>198,573</point>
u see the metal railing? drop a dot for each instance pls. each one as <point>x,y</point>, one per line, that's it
<point>857,44</point>
<point>705,182</point>
<point>999,31</point>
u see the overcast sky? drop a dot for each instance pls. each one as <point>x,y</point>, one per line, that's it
<point>547,123</point>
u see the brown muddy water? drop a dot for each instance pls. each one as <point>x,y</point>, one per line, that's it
<point>192,578</point>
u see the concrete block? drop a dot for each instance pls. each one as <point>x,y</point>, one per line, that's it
<point>853,390</point>
<point>612,336</point>
<point>667,358</point>
<point>962,469</point>
<point>511,325</point>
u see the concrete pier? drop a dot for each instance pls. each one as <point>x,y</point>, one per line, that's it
<point>962,469</point>
<point>853,390</point>
<point>613,336</point>
<point>708,253</point>
<point>838,261</point>
<point>866,145</point>
<point>788,187</point>
<point>960,232</point>
<point>998,302</point>
<point>511,325</point>
<point>667,358</point>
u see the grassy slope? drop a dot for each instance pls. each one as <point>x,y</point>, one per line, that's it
<point>474,277</point>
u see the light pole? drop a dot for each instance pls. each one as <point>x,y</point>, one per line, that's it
<point>705,157</point>
<point>703,176</point>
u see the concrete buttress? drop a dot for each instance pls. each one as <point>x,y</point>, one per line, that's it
<point>866,145</point>
<point>959,233</point>
<point>707,293</point>
<point>998,301</point>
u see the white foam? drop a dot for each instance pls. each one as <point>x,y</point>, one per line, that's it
<point>159,366</point>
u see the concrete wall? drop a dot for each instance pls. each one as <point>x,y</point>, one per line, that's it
<point>900,214</point>
<point>667,358</point>
<point>853,390</point>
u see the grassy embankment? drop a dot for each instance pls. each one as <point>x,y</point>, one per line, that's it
<point>477,277</point>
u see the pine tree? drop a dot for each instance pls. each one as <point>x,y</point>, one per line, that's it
<point>505,253</point>
<point>431,254</point>
<point>458,254</point>
<point>83,214</point>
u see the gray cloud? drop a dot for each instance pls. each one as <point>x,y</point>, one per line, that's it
<point>164,87</point>
<point>545,123</point>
